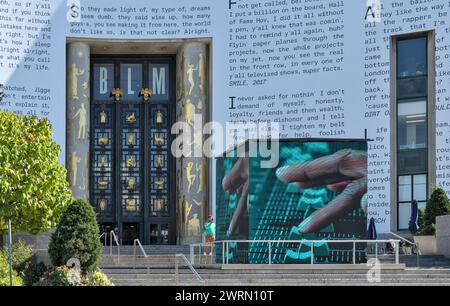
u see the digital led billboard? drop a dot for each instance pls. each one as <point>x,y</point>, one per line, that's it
<point>316,192</point>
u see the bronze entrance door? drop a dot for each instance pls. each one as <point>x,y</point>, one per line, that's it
<point>132,170</point>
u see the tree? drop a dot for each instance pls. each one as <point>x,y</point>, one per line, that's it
<point>33,185</point>
<point>437,205</point>
<point>77,236</point>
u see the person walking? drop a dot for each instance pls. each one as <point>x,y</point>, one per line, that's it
<point>210,234</point>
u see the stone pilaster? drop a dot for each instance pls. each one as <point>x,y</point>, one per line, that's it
<point>77,118</point>
<point>192,174</point>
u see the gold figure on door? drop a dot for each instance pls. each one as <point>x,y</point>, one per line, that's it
<point>189,112</point>
<point>74,160</point>
<point>158,204</point>
<point>194,226</point>
<point>131,162</point>
<point>102,204</point>
<point>103,117</point>
<point>159,117</point>
<point>74,73</point>
<point>102,161</point>
<point>131,183</point>
<point>116,93</point>
<point>103,141</point>
<point>146,93</point>
<point>131,117</point>
<point>201,170</point>
<point>190,75</point>
<point>131,205</point>
<point>82,121</point>
<point>102,184</point>
<point>130,139</point>
<point>159,160</point>
<point>159,184</point>
<point>159,140</point>
<point>190,177</point>
<point>186,210</point>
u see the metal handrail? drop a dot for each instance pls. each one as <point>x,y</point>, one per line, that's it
<point>136,241</point>
<point>402,238</point>
<point>415,244</point>
<point>225,246</point>
<point>111,236</point>
<point>191,267</point>
<point>103,235</point>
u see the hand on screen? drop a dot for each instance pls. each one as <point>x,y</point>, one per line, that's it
<point>345,170</point>
<point>237,181</point>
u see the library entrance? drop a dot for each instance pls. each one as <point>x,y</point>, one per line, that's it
<point>132,171</point>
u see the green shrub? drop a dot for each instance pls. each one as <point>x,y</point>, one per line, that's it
<point>21,255</point>
<point>33,273</point>
<point>60,276</point>
<point>97,278</point>
<point>4,273</point>
<point>437,205</point>
<point>77,236</point>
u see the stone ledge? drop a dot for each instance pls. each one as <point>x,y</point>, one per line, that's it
<point>310,267</point>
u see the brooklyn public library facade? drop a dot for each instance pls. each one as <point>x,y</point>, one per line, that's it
<point>114,76</point>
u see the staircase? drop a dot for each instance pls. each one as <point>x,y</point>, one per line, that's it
<point>218,277</point>
<point>150,250</point>
<point>434,270</point>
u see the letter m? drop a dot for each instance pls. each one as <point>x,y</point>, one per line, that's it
<point>159,80</point>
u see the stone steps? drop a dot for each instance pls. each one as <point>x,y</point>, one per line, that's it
<point>218,272</point>
<point>434,270</point>
<point>219,277</point>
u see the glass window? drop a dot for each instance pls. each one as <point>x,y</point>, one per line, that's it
<point>412,88</point>
<point>103,81</point>
<point>410,187</point>
<point>412,125</point>
<point>404,188</point>
<point>404,214</point>
<point>420,187</point>
<point>131,81</point>
<point>412,57</point>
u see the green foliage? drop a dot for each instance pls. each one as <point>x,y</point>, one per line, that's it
<point>21,255</point>
<point>437,205</point>
<point>33,273</point>
<point>33,186</point>
<point>4,273</point>
<point>97,278</point>
<point>77,236</point>
<point>60,276</point>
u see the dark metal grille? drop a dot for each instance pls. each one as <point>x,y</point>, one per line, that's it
<point>132,171</point>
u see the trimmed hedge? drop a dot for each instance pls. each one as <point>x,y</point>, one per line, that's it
<point>77,236</point>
